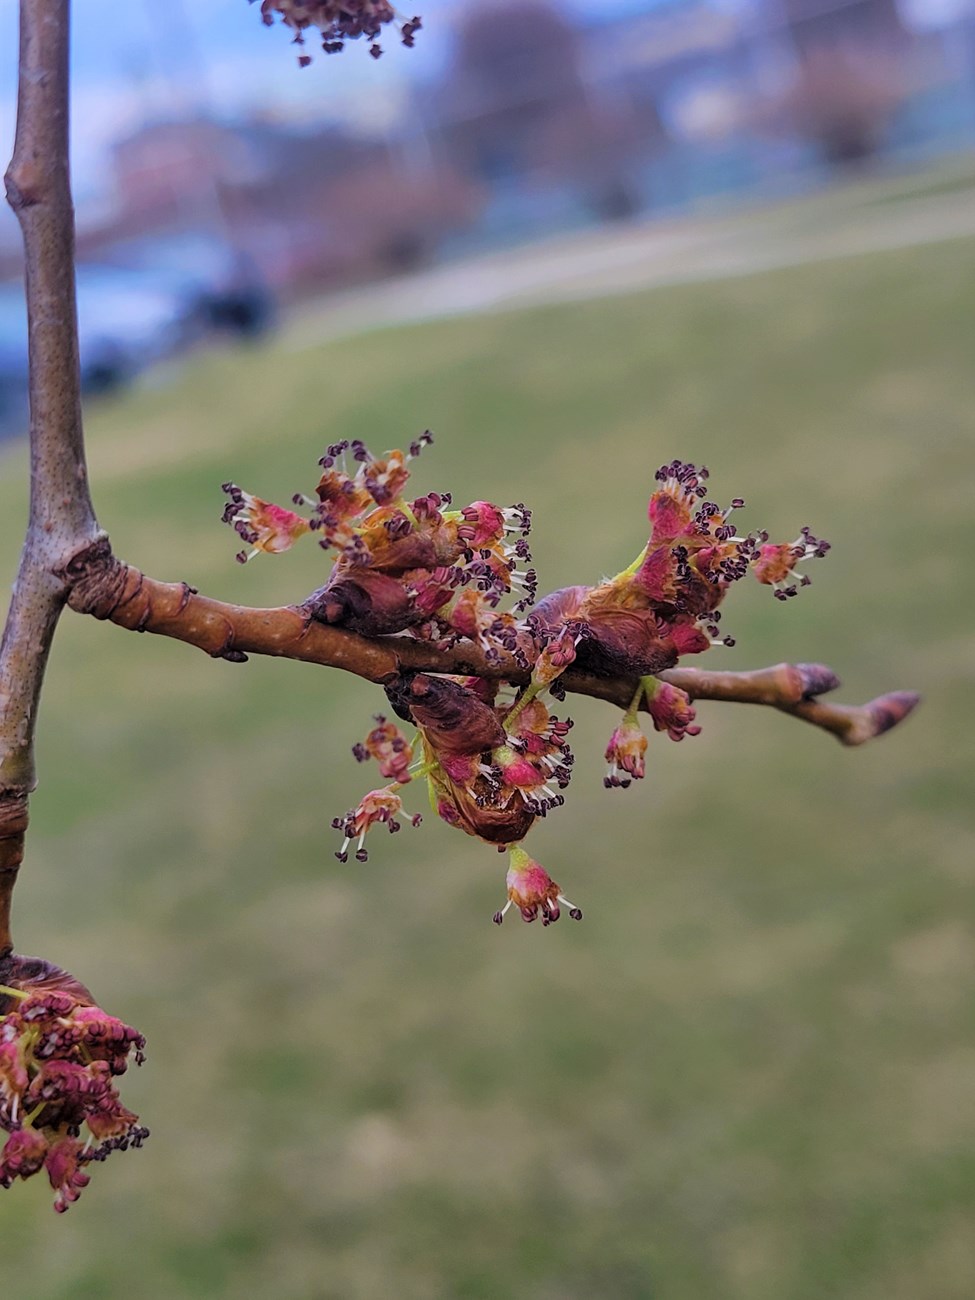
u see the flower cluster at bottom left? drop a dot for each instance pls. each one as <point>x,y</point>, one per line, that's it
<point>59,1057</point>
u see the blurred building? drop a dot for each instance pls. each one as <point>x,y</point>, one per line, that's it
<point>514,76</point>
<point>541,121</point>
<point>850,75</point>
<point>684,101</point>
<point>868,24</point>
<point>354,206</point>
<point>518,108</point>
<point>682,68</point>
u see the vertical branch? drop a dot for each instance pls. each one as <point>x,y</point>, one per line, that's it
<point>61,519</point>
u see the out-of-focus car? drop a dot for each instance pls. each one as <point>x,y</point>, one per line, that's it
<point>145,300</point>
<point>126,320</point>
<point>13,362</point>
<point>218,286</point>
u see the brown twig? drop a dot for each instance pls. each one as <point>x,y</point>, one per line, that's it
<point>795,689</point>
<point>106,588</point>
<point>790,688</point>
<point>61,518</point>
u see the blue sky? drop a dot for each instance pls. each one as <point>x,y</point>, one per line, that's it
<point>151,57</point>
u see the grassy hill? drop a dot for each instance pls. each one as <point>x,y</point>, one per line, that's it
<point>748,1074</point>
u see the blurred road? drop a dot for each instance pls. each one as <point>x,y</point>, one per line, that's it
<point>636,257</point>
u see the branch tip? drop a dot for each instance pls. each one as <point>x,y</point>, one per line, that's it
<point>816,679</point>
<point>886,711</point>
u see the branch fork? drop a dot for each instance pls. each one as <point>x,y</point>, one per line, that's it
<point>67,560</point>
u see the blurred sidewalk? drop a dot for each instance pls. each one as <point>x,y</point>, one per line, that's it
<point>864,218</point>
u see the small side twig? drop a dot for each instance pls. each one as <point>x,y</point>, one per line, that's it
<point>795,689</point>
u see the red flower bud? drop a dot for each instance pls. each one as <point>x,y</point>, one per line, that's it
<point>366,602</point>
<point>393,752</point>
<point>23,1155</point>
<point>502,823</point>
<point>533,891</point>
<point>624,643</point>
<point>624,753</point>
<point>453,720</point>
<point>672,711</point>
<point>35,975</point>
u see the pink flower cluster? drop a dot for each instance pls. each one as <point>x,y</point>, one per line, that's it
<point>402,564</point>
<point>492,769</point>
<point>338,21</point>
<point>665,606</point>
<point>493,756</point>
<point>59,1057</point>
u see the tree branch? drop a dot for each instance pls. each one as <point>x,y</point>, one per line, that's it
<point>795,689</point>
<point>65,556</point>
<point>61,518</point>
<point>106,588</point>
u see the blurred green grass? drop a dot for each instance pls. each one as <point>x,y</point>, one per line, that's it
<point>749,1073</point>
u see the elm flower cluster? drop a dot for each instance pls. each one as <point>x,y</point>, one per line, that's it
<point>664,606</point>
<point>493,756</point>
<point>401,564</point>
<point>338,21</point>
<point>59,1058</point>
<point>491,769</point>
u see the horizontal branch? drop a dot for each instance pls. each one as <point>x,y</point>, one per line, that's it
<point>106,588</point>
